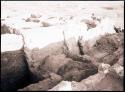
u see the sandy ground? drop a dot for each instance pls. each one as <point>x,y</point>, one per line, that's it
<point>60,15</point>
<point>77,9</point>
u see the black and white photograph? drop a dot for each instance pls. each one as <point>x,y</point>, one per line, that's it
<point>62,45</point>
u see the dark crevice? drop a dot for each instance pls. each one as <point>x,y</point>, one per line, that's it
<point>81,51</point>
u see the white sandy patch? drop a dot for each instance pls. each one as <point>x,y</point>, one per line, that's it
<point>11,42</point>
<point>41,37</point>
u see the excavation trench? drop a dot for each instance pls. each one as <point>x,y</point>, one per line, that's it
<point>75,72</point>
<point>43,76</point>
<point>78,70</point>
<point>50,72</point>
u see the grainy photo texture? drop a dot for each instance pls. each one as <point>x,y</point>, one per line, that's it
<point>62,45</point>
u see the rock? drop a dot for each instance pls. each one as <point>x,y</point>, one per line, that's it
<point>58,20</point>
<point>73,33</point>
<point>32,20</point>
<point>4,29</point>
<point>90,24</point>
<point>118,29</point>
<point>14,67</point>
<point>72,47</point>
<point>86,59</point>
<point>82,58</point>
<point>103,68</point>
<point>84,85</point>
<point>108,49</point>
<point>41,46</point>
<point>106,79</point>
<point>89,83</point>
<point>109,83</point>
<point>109,59</point>
<point>54,62</point>
<point>113,57</point>
<point>50,22</point>
<point>51,64</point>
<point>120,61</point>
<point>35,16</point>
<point>98,82</point>
<point>35,64</point>
<point>45,84</point>
<point>76,71</point>
<point>62,86</point>
<point>108,43</point>
<point>117,71</point>
<point>119,53</point>
<point>101,29</point>
<point>45,24</point>
<point>14,70</point>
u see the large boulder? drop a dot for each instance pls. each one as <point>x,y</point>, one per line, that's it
<point>54,63</point>
<point>36,58</point>
<point>14,67</point>
<point>88,83</point>
<point>50,64</point>
<point>76,71</point>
